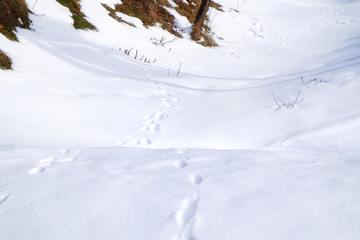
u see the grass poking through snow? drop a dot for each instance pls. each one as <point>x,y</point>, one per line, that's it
<point>79,17</point>
<point>5,61</point>
<point>13,13</point>
<point>155,13</point>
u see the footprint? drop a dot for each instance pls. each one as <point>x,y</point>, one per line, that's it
<point>120,143</point>
<point>161,115</point>
<point>67,159</point>
<point>3,198</point>
<point>149,122</point>
<point>144,128</point>
<point>180,164</point>
<point>164,91</point>
<point>166,103</point>
<point>195,179</point>
<point>186,218</point>
<point>181,150</point>
<point>46,162</point>
<point>64,151</point>
<point>134,142</point>
<point>155,127</point>
<point>36,170</point>
<point>40,167</point>
<point>145,141</point>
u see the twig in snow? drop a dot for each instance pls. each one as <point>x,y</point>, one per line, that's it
<point>178,73</point>
<point>136,54</point>
<point>276,100</point>
<point>130,50</point>
<point>281,101</point>
<point>294,103</point>
<point>35,4</point>
<point>162,40</point>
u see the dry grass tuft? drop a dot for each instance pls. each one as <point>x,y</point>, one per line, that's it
<point>112,13</point>
<point>13,13</point>
<point>149,12</point>
<point>79,17</point>
<point>5,61</point>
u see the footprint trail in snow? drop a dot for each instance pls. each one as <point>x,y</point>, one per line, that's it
<point>186,215</point>
<point>45,163</point>
<point>152,121</point>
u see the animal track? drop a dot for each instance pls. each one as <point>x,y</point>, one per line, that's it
<point>166,103</point>
<point>46,162</point>
<point>3,198</point>
<point>256,29</point>
<point>195,179</point>
<point>151,123</point>
<point>36,170</point>
<point>145,141</point>
<point>180,164</point>
<point>160,115</point>
<point>3,195</point>
<point>43,164</point>
<point>68,159</point>
<point>186,218</point>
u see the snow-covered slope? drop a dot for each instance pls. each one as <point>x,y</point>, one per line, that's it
<point>256,139</point>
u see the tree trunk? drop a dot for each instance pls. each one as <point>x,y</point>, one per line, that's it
<point>199,20</point>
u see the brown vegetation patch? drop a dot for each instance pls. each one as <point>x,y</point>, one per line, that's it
<point>112,13</point>
<point>5,61</point>
<point>149,12</point>
<point>79,17</point>
<point>189,9</point>
<point>13,13</point>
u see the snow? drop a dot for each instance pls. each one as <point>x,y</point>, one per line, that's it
<point>95,144</point>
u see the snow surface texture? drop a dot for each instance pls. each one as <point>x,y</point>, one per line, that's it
<point>256,139</point>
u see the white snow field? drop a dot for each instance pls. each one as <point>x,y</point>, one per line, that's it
<point>258,138</point>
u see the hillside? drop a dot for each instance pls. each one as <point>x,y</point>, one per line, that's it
<point>125,128</point>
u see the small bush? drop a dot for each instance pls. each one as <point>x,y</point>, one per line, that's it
<point>79,17</point>
<point>13,13</point>
<point>5,61</point>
